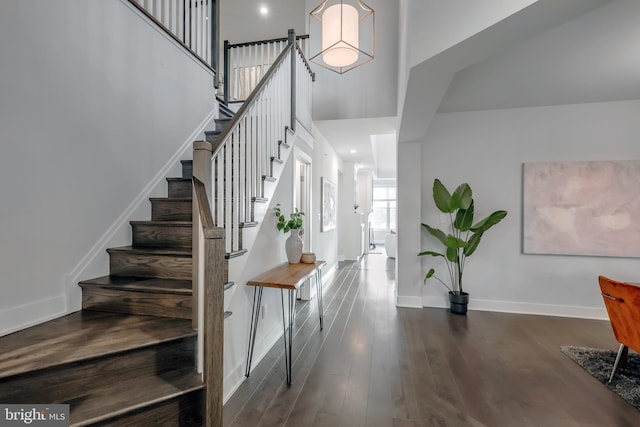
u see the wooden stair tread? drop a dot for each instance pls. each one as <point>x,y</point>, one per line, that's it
<point>163,223</point>
<point>235,254</point>
<point>129,396</point>
<point>179,178</point>
<point>142,284</point>
<point>84,335</point>
<point>248,224</point>
<point>152,251</point>
<point>173,199</point>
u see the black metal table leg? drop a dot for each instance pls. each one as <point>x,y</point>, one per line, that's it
<point>288,335</point>
<point>319,296</point>
<point>255,316</point>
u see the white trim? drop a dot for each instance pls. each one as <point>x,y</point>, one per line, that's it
<point>599,313</point>
<point>32,314</point>
<point>123,220</point>
<point>436,301</point>
<point>408,301</point>
<point>304,134</point>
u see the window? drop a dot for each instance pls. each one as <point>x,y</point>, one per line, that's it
<point>383,218</point>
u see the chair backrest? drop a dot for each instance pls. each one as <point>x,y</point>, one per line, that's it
<point>623,306</point>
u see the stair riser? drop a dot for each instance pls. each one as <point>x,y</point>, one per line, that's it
<point>153,236</point>
<point>143,265</point>
<point>180,188</point>
<point>221,124</point>
<point>74,380</point>
<point>136,302</point>
<point>184,410</point>
<point>171,210</point>
<point>187,168</point>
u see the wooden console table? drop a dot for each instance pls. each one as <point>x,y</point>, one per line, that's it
<point>286,277</point>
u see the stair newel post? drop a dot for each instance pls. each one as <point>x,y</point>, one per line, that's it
<point>227,70</point>
<point>292,47</point>
<point>212,326</point>
<point>202,151</point>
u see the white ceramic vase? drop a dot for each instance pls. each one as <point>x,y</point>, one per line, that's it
<point>293,246</point>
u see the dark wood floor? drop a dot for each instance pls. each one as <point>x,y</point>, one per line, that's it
<point>378,365</point>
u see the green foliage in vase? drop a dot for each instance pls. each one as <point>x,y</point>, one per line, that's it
<point>292,223</point>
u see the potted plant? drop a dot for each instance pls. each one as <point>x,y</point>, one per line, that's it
<point>461,242</point>
<point>294,244</point>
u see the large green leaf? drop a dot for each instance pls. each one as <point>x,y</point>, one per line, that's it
<point>474,241</point>
<point>452,255</point>
<point>489,221</point>
<point>432,253</point>
<point>454,242</point>
<point>438,234</point>
<point>461,198</point>
<point>441,197</point>
<point>464,218</point>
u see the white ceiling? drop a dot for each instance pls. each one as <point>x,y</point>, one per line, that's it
<point>593,58</point>
<point>356,134</point>
<point>430,80</point>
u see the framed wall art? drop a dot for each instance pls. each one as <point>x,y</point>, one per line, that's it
<point>582,208</point>
<point>328,205</point>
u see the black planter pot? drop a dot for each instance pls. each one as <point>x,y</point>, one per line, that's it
<point>458,302</point>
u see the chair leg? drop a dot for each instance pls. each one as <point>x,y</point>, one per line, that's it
<point>621,351</point>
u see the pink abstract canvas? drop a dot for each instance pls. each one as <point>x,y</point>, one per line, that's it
<point>582,208</point>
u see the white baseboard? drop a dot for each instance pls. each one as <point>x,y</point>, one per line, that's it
<point>123,220</point>
<point>32,314</point>
<point>521,308</point>
<point>435,301</point>
<point>539,309</point>
<point>236,377</point>
<point>408,301</point>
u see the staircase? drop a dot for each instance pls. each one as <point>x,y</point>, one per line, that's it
<point>128,357</point>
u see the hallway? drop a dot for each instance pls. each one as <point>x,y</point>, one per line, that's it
<point>378,365</point>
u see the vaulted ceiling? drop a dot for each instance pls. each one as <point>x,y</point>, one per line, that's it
<point>459,56</point>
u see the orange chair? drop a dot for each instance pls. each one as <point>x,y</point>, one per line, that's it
<point>623,306</point>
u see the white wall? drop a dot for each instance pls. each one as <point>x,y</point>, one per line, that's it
<point>95,103</point>
<point>487,150</point>
<point>325,164</point>
<point>409,194</point>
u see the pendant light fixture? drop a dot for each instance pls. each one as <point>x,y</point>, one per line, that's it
<point>341,34</point>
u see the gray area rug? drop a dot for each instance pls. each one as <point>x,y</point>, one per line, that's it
<point>626,382</point>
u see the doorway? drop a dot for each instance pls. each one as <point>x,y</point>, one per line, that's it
<point>302,201</point>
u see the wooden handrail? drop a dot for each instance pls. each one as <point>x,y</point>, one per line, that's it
<point>281,39</point>
<point>306,63</point>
